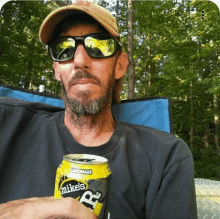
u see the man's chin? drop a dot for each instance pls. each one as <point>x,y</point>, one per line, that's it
<point>85,107</point>
<point>83,98</point>
<point>82,103</point>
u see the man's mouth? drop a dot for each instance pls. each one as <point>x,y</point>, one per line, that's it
<point>84,81</point>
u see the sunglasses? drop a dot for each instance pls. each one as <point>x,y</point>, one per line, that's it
<point>97,45</point>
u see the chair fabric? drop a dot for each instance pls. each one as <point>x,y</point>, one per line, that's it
<point>153,112</point>
<point>22,94</point>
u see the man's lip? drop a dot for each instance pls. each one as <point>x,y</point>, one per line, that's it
<point>84,81</point>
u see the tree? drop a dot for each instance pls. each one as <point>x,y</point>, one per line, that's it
<point>22,57</point>
<point>131,75</point>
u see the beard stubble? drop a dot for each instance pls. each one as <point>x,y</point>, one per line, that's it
<point>82,105</point>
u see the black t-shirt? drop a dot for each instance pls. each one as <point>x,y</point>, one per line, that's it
<point>152,171</point>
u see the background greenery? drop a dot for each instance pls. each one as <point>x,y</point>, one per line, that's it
<point>175,54</point>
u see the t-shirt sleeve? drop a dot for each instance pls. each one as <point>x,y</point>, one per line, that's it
<point>176,196</point>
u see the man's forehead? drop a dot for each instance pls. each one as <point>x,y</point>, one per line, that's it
<point>81,30</point>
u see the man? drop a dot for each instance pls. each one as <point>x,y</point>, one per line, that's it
<point>152,171</point>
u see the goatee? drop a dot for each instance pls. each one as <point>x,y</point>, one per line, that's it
<point>82,105</point>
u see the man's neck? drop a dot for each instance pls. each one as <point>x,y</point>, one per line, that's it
<point>92,130</point>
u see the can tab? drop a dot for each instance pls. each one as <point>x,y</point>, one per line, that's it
<point>83,159</point>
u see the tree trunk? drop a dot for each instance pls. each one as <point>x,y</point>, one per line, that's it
<point>130,52</point>
<point>191,114</point>
<point>216,122</point>
<point>149,74</point>
<point>206,140</point>
<point>117,11</point>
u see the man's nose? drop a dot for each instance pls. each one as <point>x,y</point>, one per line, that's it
<point>81,58</point>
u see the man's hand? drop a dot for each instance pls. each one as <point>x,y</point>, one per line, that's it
<point>45,208</point>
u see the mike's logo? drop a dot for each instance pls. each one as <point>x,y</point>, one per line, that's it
<point>72,188</point>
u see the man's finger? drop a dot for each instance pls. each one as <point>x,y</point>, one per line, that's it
<point>45,208</point>
<point>66,208</point>
<point>22,201</point>
<point>9,206</point>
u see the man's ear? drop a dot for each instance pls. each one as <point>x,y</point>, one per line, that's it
<point>56,70</point>
<point>121,65</point>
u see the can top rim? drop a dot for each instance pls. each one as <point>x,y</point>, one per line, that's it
<point>85,159</point>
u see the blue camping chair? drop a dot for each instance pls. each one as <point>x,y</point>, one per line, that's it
<point>153,112</point>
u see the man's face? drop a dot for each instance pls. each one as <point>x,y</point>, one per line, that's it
<point>87,82</point>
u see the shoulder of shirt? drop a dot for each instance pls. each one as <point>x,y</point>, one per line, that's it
<point>146,129</point>
<point>31,106</point>
<point>157,140</point>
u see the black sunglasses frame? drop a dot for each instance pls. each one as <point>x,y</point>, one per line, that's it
<point>81,40</point>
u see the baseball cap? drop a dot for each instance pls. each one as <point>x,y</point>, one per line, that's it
<point>99,13</point>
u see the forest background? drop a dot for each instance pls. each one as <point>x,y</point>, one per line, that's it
<point>173,49</point>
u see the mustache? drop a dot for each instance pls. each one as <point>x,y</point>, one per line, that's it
<point>83,74</point>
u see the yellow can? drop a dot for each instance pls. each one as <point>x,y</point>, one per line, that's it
<point>86,178</point>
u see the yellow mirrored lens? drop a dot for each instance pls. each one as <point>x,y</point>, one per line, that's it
<point>64,49</point>
<point>106,46</point>
<point>65,44</point>
<point>68,43</point>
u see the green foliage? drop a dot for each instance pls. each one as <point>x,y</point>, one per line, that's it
<point>25,61</point>
<point>176,55</point>
<point>211,160</point>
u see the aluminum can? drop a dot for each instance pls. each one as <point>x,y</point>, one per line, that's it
<point>86,178</point>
